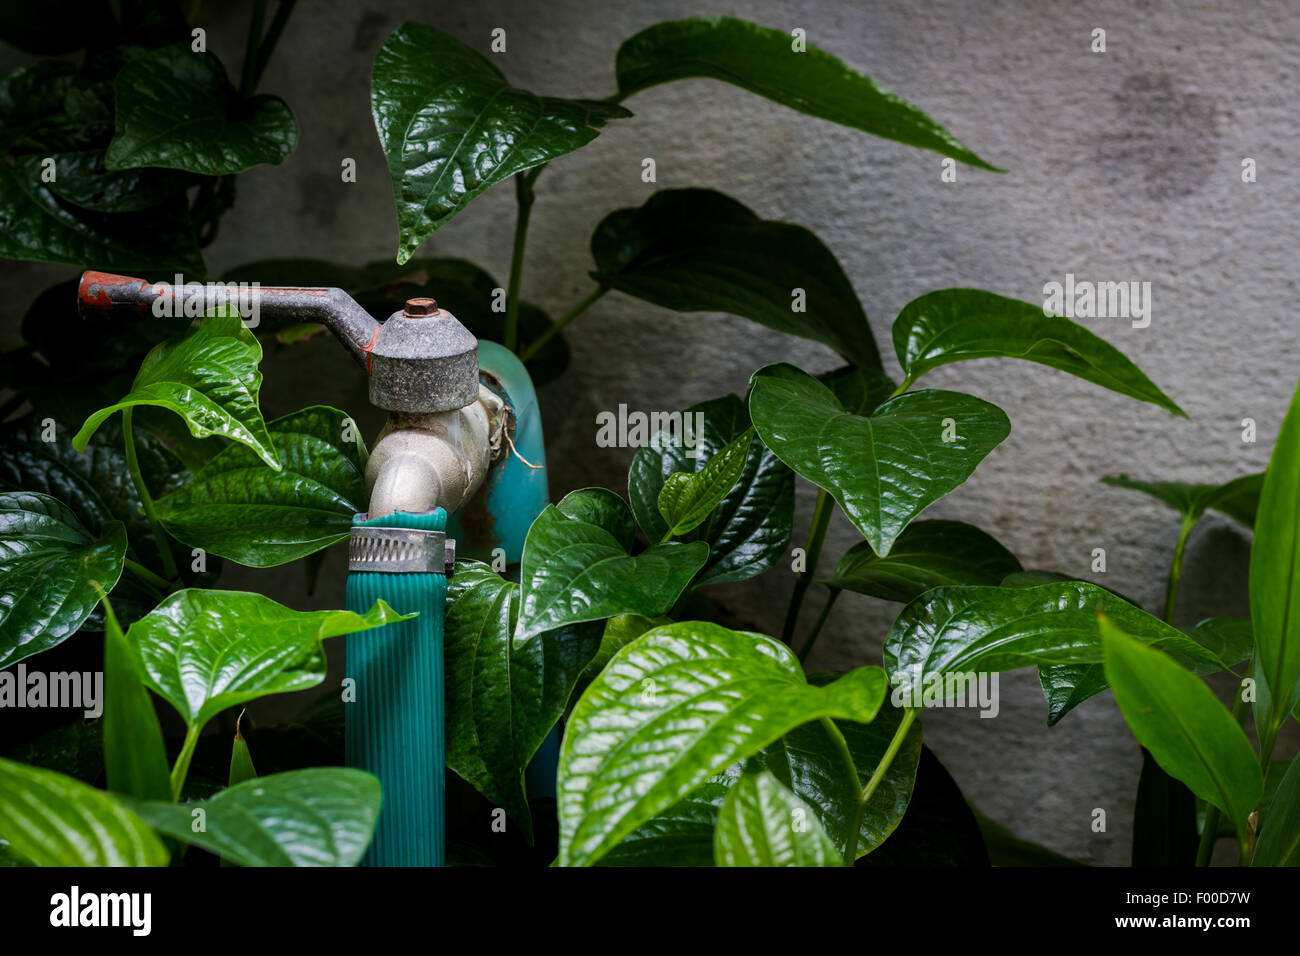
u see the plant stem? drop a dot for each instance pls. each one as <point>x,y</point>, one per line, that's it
<point>812,552</point>
<point>907,383</point>
<point>536,345</point>
<point>182,767</point>
<point>1176,568</point>
<point>133,466</point>
<point>271,38</point>
<point>147,576</point>
<point>817,625</point>
<point>904,725</point>
<point>251,46</point>
<point>1209,835</point>
<point>524,197</point>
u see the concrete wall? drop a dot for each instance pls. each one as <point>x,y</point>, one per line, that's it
<point>1123,165</point>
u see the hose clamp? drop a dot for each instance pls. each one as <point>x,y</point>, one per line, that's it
<point>400,550</point>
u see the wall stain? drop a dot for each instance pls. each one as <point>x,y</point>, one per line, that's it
<point>1165,140</point>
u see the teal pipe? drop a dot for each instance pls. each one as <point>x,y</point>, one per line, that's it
<point>394,727</point>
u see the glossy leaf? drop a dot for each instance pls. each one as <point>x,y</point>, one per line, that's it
<point>209,378</point>
<point>53,820</point>
<point>682,835</point>
<point>1176,717</point>
<point>503,695</point>
<point>176,108</point>
<point>238,508</point>
<point>674,707</point>
<point>451,125</point>
<point>241,760</point>
<point>750,529</point>
<point>1278,843</point>
<point>884,469</point>
<point>83,179</point>
<point>953,325</point>
<point>1275,584</point>
<point>1230,639</point>
<point>763,823</point>
<point>688,498</point>
<point>573,571</point>
<point>49,566</point>
<point>324,816</point>
<point>204,651</point>
<point>939,828</point>
<point>763,60</point>
<point>603,508</point>
<point>929,554</point>
<point>695,250</point>
<point>135,757</point>
<point>956,630</point>
<point>1238,499</point>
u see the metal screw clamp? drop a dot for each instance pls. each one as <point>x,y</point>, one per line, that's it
<point>400,550</point>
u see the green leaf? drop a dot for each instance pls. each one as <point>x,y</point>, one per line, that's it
<point>953,325</point>
<point>1275,584</point>
<point>36,224</point>
<point>673,708</point>
<point>604,508</point>
<point>749,531</point>
<point>695,250</point>
<point>451,125</point>
<point>1278,843</point>
<point>688,498</point>
<point>324,816</point>
<point>939,828</point>
<point>1238,498</point>
<point>682,835</point>
<point>209,378</point>
<point>238,508</point>
<point>54,820</point>
<point>241,760</point>
<point>573,571</point>
<point>764,61</point>
<point>503,694</point>
<point>1175,716</point>
<point>1230,639</point>
<point>204,651</point>
<point>49,566</point>
<point>135,757</point>
<point>95,484</point>
<point>808,760</point>
<point>885,469</point>
<point>956,630</point>
<point>82,179</point>
<point>176,108</point>
<point>762,823</point>
<point>929,554</point>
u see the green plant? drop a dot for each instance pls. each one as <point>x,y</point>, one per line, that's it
<point>688,736</point>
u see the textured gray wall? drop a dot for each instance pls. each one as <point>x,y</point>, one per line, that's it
<point>1123,165</point>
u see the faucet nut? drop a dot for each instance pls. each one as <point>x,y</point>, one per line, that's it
<point>419,308</point>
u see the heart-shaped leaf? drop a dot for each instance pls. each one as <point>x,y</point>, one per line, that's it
<point>682,835</point>
<point>688,498</point>
<point>573,571</point>
<point>953,325</point>
<point>176,108</point>
<point>1238,498</point>
<point>749,531</point>
<point>1275,584</point>
<point>957,630</point>
<point>1176,717</point>
<point>793,73</point>
<point>83,179</point>
<point>54,820</point>
<point>238,508</point>
<point>134,755</point>
<point>451,125</point>
<point>884,469</point>
<point>324,816</point>
<point>763,823</point>
<point>674,707</point>
<point>204,651</point>
<point>604,508</point>
<point>695,250</point>
<point>49,566</point>
<point>929,554</point>
<point>209,378</point>
<point>503,695</point>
